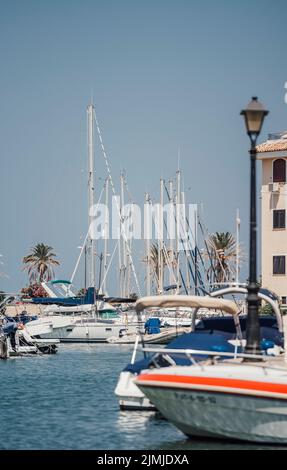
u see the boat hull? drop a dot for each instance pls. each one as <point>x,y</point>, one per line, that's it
<point>211,415</point>
<point>165,336</point>
<point>130,396</point>
<point>223,405</point>
<point>85,333</point>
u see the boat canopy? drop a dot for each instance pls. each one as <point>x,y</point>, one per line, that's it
<point>263,294</point>
<point>193,301</point>
<point>119,300</point>
<point>60,281</point>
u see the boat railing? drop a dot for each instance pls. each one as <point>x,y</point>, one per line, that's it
<point>189,353</point>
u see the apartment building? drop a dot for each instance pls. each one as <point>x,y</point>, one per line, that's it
<point>273,154</point>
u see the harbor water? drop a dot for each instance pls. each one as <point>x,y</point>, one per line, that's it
<point>67,401</point>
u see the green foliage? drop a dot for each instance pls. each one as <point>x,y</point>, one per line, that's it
<point>266,309</point>
<point>39,263</point>
<point>154,260</point>
<point>222,246</point>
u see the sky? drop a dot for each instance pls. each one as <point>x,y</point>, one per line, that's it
<point>164,75</point>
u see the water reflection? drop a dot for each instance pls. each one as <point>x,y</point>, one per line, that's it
<point>129,421</point>
<point>67,401</point>
<point>210,444</point>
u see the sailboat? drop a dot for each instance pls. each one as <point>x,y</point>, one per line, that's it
<point>88,318</point>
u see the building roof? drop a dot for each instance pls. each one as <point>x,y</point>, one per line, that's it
<point>275,143</point>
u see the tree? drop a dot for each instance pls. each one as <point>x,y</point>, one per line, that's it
<point>154,260</point>
<point>81,292</point>
<point>39,263</point>
<point>222,246</point>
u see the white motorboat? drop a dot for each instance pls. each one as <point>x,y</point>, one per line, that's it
<point>129,395</point>
<point>86,328</point>
<point>163,337</point>
<point>86,331</point>
<point>21,343</point>
<point>39,327</point>
<point>81,323</point>
<point>221,397</point>
<point>229,399</point>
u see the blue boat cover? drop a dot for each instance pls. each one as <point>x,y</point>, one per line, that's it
<point>211,334</point>
<point>87,299</point>
<point>200,341</point>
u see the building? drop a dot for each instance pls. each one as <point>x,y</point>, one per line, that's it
<point>273,154</point>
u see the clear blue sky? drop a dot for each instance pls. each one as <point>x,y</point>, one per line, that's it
<point>163,74</point>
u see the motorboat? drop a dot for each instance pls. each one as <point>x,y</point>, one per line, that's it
<point>19,342</point>
<point>220,394</point>
<point>214,333</point>
<point>91,318</point>
<point>85,326</point>
<point>78,319</point>
<point>230,399</point>
<point>85,323</point>
<point>165,336</point>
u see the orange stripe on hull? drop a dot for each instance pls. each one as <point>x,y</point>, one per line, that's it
<point>215,382</point>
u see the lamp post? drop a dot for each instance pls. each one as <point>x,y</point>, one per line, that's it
<point>254,115</point>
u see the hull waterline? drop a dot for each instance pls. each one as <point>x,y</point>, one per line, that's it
<point>218,403</point>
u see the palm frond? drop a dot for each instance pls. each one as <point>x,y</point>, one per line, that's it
<point>39,263</point>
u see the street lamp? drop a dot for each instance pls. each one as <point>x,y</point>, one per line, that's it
<point>254,115</point>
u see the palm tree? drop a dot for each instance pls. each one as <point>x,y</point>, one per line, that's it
<point>154,260</point>
<point>39,263</point>
<point>222,247</point>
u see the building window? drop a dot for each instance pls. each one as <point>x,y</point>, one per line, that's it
<point>279,217</point>
<point>279,171</point>
<point>283,300</point>
<point>278,264</point>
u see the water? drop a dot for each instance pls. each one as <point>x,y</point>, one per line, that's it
<point>66,401</point>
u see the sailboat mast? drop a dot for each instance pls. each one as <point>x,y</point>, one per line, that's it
<point>148,267</point>
<point>91,189</point>
<point>160,244</point>
<point>171,247</point>
<point>195,252</point>
<point>178,178</point>
<point>237,245</point>
<point>123,241</point>
<point>106,234</point>
<point>185,234</point>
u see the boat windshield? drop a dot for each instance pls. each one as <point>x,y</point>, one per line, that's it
<point>58,288</point>
<point>108,314</point>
